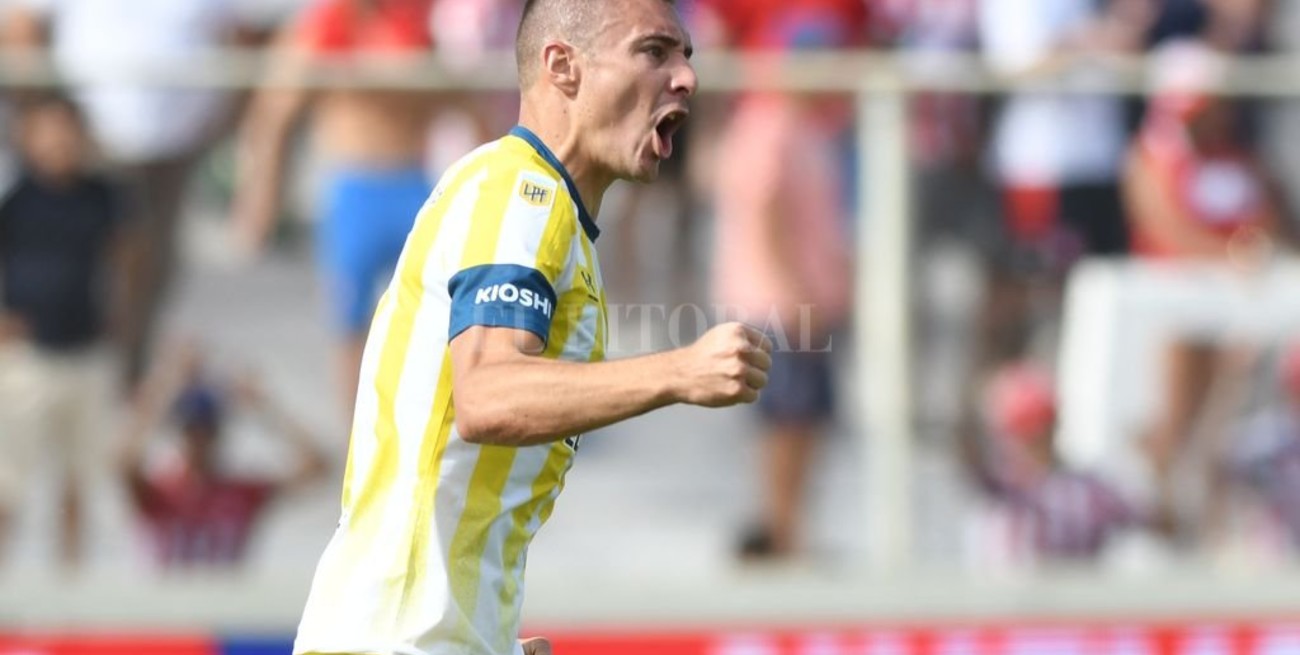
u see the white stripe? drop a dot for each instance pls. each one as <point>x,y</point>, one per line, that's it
<point>416,395</point>
<point>335,622</point>
<point>579,254</point>
<point>518,491</point>
<point>458,463</point>
<point>524,223</point>
<point>367,407</point>
<point>459,459</point>
<point>455,227</point>
<point>569,275</point>
<point>532,525</point>
<point>582,339</point>
<point>415,392</point>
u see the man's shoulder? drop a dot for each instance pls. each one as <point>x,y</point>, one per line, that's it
<point>510,162</point>
<point>510,156</point>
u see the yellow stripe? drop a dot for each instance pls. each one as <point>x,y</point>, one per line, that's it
<point>557,239</point>
<point>434,443</point>
<point>555,470</point>
<point>346,495</point>
<point>556,467</point>
<point>602,319</point>
<point>543,489</point>
<point>367,501</point>
<point>492,470</point>
<point>550,481</point>
<point>488,215</point>
<point>384,301</point>
<point>482,508</point>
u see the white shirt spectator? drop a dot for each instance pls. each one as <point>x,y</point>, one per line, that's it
<point>1044,139</point>
<point>99,43</point>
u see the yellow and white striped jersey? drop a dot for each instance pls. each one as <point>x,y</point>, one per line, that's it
<point>428,556</point>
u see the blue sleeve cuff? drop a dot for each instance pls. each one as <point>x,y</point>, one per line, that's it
<point>501,295</point>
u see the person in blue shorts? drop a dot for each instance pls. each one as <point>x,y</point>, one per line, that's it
<point>374,143</point>
<point>367,214</point>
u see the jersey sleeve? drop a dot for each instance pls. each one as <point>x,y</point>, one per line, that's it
<point>516,254</point>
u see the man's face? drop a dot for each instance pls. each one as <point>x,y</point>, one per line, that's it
<point>53,141</point>
<point>636,79</point>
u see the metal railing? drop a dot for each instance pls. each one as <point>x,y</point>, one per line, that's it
<point>880,84</point>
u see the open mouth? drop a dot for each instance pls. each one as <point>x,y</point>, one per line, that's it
<point>665,128</point>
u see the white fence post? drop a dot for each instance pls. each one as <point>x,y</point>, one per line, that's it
<point>883,326</point>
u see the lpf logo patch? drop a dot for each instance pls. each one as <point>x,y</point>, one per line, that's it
<point>534,194</point>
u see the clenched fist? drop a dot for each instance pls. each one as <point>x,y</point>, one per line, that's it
<point>727,366</point>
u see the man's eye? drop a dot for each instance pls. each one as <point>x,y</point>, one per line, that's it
<point>656,51</point>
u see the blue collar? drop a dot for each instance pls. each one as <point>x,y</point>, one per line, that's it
<point>588,225</point>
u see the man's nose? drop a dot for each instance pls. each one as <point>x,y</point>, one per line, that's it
<point>685,81</point>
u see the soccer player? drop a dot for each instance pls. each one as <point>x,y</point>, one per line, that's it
<point>484,362</point>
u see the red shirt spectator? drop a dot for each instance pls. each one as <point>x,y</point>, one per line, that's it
<point>1042,509</point>
<point>196,519</point>
<point>1192,186</point>
<point>194,512</point>
<point>346,26</point>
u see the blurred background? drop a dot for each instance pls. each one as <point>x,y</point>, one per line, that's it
<point>1031,265</point>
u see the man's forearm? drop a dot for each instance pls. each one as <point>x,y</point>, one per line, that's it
<point>260,167</point>
<point>534,400</point>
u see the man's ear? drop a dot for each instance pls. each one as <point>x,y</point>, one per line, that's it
<point>560,65</point>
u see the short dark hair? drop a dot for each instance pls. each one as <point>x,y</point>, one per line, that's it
<point>541,19</point>
<point>199,406</point>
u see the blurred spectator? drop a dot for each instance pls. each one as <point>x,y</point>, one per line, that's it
<point>59,249</point>
<point>1195,193</point>
<point>1264,459</point>
<point>781,255</point>
<point>373,141</point>
<point>1231,26</point>
<point>1041,511</point>
<point>1055,157</point>
<point>1194,189</point>
<point>1225,24</point>
<point>466,33</point>
<point>195,512</point>
<point>945,127</point>
<point>152,135</point>
<point>958,217</point>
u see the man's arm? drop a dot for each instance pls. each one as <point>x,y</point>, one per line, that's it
<point>504,395</point>
<point>12,326</point>
<point>311,461</point>
<point>148,408</point>
<point>263,144</point>
<point>1148,203</point>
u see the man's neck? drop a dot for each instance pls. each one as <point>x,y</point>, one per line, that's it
<point>563,143</point>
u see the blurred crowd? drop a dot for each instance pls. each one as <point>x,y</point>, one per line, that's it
<point>1018,189</point>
